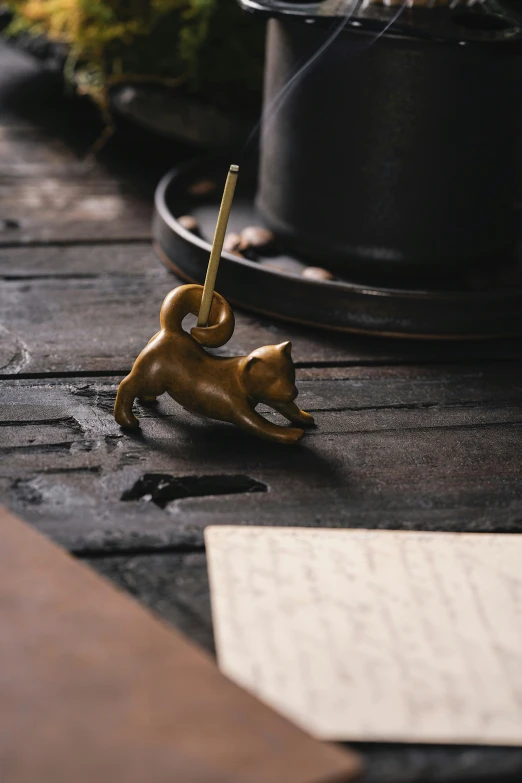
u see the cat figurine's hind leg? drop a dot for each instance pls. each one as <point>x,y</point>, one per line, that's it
<point>127,393</point>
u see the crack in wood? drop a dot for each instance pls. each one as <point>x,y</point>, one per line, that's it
<point>459,361</point>
<point>163,488</point>
<point>38,448</point>
<point>66,276</point>
<point>29,241</point>
<point>14,353</point>
<point>67,420</point>
<point>70,446</point>
<point>28,491</point>
<point>67,471</point>
<point>139,551</point>
<point>47,376</point>
<point>441,427</point>
<point>467,404</point>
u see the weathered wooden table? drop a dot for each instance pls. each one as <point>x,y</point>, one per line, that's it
<point>410,435</point>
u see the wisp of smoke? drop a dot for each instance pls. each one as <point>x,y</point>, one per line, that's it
<point>270,111</point>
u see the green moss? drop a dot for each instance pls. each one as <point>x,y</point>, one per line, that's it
<point>205,47</point>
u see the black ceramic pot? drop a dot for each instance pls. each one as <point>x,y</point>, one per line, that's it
<point>395,154</point>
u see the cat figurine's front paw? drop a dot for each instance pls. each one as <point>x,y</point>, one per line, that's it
<point>293,413</point>
<point>291,435</point>
<point>306,419</point>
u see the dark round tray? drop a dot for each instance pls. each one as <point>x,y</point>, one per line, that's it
<point>486,306</point>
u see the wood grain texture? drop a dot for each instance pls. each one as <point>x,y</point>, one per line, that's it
<point>93,308</point>
<point>173,585</point>
<point>51,190</point>
<point>409,449</point>
<point>85,207</point>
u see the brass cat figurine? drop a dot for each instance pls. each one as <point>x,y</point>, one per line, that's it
<point>222,388</point>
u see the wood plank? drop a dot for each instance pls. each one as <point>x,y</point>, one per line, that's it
<point>50,193</point>
<point>85,208</point>
<point>49,190</point>
<point>126,698</point>
<point>175,586</point>
<point>93,308</point>
<point>414,450</point>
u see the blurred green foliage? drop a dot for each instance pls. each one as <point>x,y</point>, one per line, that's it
<point>208,48</point>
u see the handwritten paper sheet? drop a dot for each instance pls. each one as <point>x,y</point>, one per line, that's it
<point>374,635</point>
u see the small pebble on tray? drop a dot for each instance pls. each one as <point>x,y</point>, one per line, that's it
<point>231,243</point>
<point>256,238</point>
<point>189,223</point>
<point>317,273</point>
<point>202,187</point>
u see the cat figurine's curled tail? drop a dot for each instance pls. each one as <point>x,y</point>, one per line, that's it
<point>222,388</point>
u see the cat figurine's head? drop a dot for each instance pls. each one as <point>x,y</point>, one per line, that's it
<point>269,374</point>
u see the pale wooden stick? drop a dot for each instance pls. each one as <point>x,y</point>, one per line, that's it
<point>217,246</point>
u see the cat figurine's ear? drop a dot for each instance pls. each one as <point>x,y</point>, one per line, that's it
<point>251,360</point>
<point>286,348</point>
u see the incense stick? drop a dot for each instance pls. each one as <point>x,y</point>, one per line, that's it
<point>217,246</point>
